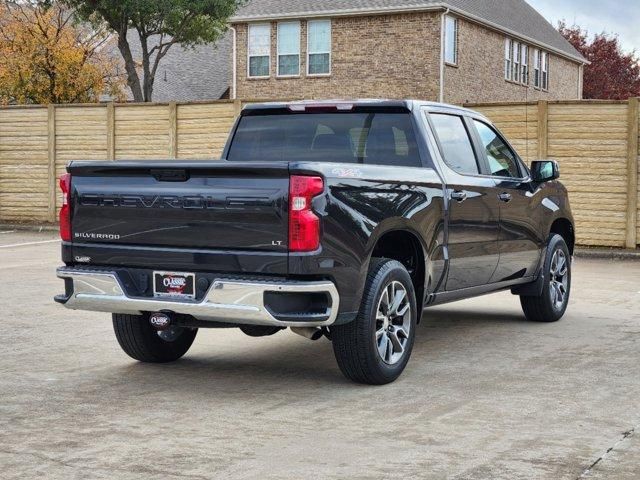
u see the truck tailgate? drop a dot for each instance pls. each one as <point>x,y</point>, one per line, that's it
<point>202,205</point>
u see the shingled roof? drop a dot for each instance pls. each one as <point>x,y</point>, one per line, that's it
<point>515,17</point>
<point>190,74</point>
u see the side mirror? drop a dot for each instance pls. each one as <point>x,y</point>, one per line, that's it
<point>545,171</point>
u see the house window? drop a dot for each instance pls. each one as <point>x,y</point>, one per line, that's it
<point>536,68</point>
<point>545,71</point>
<point>259,50</point>
<point>319,47</point>
<point>516,62</point>
<point>508,59</point>
<point>451,40</point>
<point>524,60</point>
<point>288,49</point>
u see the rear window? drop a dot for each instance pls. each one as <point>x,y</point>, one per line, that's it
<point>369,138</point>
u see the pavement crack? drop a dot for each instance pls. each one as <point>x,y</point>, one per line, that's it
<point>625,436</point>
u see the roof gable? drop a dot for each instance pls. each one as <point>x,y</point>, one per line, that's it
<point>196,73</point>
<point>516,17</point>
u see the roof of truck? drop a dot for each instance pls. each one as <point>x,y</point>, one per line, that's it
<point>342,104</point>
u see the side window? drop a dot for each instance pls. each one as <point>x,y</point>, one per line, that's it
<point>508,58</point>
<point>288,49</point>
<point>524,70</point>
<point>259,50</point>
<point>319,47</point>
<point>502,160</point>
<point>451,40</point>
<point>516,62</point>
<point>536,68</point>
<point>545,71</point>
<point>456,143</point>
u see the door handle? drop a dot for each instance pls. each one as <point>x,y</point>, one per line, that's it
<point>505,197</point>
<point>459,196</point>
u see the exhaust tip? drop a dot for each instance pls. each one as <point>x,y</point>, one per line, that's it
<point>311,333</point>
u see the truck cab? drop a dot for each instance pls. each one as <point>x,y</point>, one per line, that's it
<point>340,219</point>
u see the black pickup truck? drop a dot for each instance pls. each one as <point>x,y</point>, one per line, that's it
<point>338,219</point>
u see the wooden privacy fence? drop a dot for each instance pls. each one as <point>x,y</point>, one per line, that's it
<point>36,144</point>
<point>596,144</point>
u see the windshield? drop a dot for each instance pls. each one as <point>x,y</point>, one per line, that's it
<point>370,138</point>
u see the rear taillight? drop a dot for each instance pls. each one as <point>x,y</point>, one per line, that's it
<point>65,211</point>
<point>304,224</point>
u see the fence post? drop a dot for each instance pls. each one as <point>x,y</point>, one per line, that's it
<point>632,174</point>
<point>237,107</point>
<point>543,129</point>
<point>51,171</point>
<point>111,131</point>
<point>173,130</point>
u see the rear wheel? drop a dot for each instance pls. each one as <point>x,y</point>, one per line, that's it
<point>375,348</point>
<point>144,343</point>
<point>551,304</point>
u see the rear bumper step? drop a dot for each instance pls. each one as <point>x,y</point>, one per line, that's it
<point>226,301</point>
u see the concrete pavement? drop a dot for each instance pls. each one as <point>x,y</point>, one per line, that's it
<point>486,394</point>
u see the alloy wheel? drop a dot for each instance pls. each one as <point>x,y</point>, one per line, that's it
<point>393,323</point>
<point>559,279</point>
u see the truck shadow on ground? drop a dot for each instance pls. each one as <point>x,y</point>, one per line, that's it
<point>457,317</point>
<point>284,361</point>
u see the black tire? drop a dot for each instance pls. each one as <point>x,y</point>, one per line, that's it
<point>141,341</point>
<point>356,345</point>
<point>546,308</point>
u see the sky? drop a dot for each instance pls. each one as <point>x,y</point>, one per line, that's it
<point>612,16</point>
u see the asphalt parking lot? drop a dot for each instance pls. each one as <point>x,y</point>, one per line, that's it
<point>486,394</point>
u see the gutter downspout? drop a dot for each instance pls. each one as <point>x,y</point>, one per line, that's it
<point>581,82</point>
<point>442,47</point>
<point>234,80</point>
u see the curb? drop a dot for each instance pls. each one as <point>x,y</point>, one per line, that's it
<point>607,254</point>
<point>28,228</point>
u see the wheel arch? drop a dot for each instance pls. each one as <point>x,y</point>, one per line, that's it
<point>405,246</point>
<point>564,227</point>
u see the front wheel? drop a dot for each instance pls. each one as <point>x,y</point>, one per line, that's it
<point>551,304</point>
<point>375,348</point>
<point>142,342</point>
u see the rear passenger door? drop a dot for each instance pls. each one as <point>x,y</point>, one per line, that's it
<point>473,224</point>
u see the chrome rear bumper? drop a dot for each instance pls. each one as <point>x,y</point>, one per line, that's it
<point>227,301</point>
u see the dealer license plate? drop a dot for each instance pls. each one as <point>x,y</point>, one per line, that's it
<point>174,285</point>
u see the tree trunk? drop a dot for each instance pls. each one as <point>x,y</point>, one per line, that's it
<point>148,79</point>
<point>133,80</point>
<point>148,88</point>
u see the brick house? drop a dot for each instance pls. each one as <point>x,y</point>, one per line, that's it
<point>455,51</point>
